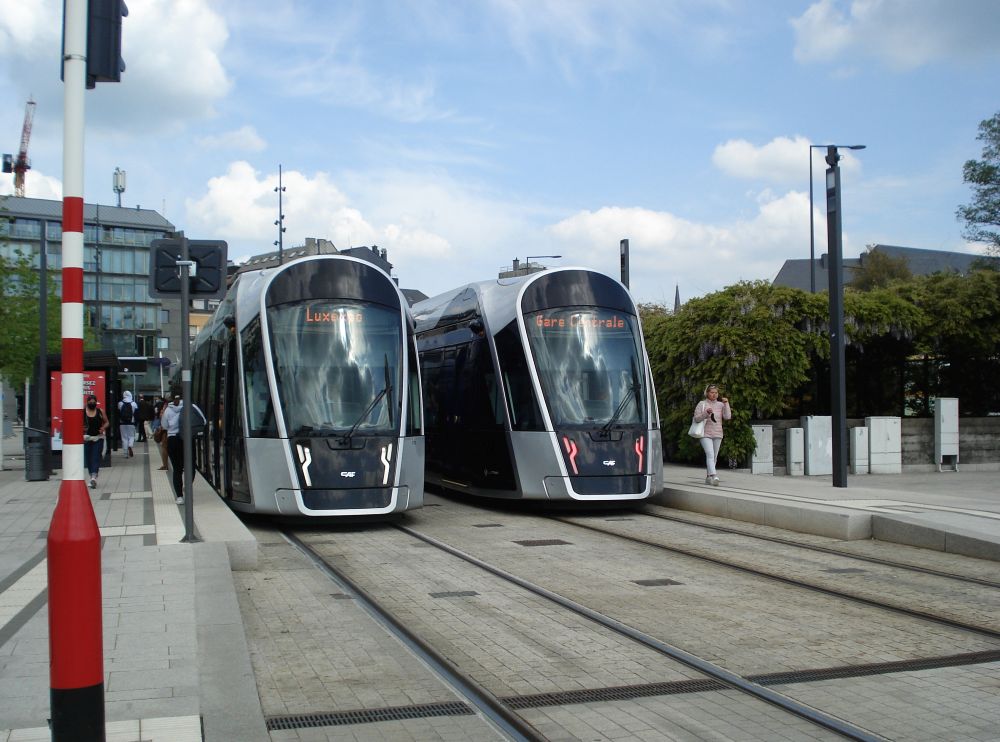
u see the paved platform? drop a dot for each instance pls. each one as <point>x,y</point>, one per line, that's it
<point>176,663</point>
<point>957,512</point>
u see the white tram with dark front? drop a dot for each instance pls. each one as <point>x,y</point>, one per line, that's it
<point>539,387</point>
<point>308,373</point>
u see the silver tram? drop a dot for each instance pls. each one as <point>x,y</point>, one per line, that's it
<point>539,387</point>
<point>308,374</point>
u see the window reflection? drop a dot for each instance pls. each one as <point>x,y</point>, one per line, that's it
<point>332,361</point>
<point>589,365</point>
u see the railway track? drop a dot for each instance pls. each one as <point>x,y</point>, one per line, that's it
<point>478,698</point>
<point>775,574</point>
<point>821,549</point>
<point>502,711</point>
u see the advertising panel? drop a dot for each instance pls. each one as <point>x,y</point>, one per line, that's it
<point>93,383</point>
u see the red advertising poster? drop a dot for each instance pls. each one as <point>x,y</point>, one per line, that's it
<point>93,383</point>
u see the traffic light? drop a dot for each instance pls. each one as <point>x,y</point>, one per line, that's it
<point>104,41</point>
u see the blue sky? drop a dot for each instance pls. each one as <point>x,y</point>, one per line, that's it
<point>462,135</point>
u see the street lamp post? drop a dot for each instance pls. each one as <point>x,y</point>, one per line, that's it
<point>280,223</point>
<point>527,260</point>
<point>838,377</point>
<point>812,238</point>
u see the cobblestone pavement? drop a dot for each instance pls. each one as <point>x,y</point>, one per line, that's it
<point>516,644</point>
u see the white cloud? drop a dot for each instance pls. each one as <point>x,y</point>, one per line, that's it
<point>901,33</point>
<point>36,185</point>
<point>245,138</point>
<point>172,50</point>
<point>782,160</point>
<point>241,207</point>
<point>441,233</point>
<point>667,250</point>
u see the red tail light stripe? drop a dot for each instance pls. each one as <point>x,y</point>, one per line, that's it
<point>572,451</point>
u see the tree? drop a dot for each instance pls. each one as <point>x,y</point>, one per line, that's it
<point>19,318</point>
<point>878,270</point>
<point>959,336</point>
<point>751,338</point>
<point>982,216</point>
<point>762,344</point>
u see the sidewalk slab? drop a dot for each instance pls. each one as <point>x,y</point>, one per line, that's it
<point>953,512</point>
<point>176,661</point>
<point>801,517</point>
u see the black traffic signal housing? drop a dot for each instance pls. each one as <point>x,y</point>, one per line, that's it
<point>210,258</point>
<point>104,41</point>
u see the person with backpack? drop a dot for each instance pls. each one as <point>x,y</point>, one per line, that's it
<point>126,422</point>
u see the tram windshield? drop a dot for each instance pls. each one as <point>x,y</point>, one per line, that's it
<point>589,364</point>
<point>338,367</point>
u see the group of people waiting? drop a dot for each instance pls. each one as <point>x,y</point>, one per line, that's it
<point>165,426</point>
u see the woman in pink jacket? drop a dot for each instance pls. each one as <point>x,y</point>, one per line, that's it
<point>713,410</point>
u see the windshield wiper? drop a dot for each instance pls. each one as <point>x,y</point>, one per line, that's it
<point>386,390</point>
<point>368,409</point>
<point>634,389</point>
<point>620,410</point>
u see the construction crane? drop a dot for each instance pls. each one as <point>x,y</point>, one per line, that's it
<point>22,164</point>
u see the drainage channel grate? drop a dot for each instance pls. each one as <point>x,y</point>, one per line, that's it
<point>627,692</point>
<point>455,594</point>
<point>368,716</point>
<point>619,693</point>
<point>544,542</point>
<point>657,583</point>
<point>878,668</point>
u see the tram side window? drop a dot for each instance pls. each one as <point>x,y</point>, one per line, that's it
<point>430,367</point>
<point>260,409</point>
<point>524,411</point>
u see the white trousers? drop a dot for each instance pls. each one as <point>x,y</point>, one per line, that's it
<point>128,436</point>
<point>711,447</point>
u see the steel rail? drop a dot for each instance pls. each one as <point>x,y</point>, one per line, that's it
<point>731,679</point>
<point>825,550</point>
<point>911,612</point>
<point>483,700</point>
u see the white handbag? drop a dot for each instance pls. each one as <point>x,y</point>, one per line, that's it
<point>697,430</point>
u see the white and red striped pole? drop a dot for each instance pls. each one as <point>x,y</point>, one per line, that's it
<point>76,653</point>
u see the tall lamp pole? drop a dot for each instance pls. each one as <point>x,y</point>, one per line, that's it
<point>280,223</point>
<point>812,234</point>
<point>838,377</point>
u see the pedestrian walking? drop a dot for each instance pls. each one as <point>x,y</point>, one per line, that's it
<point>160,431</point>
<point>95,423</point>
<point>126,422</point>
<point>175,441</point>
<point>143,414</point>
<point>713,410</point>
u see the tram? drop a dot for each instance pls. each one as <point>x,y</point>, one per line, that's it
<point>308,374</point>
<point>539,388</point>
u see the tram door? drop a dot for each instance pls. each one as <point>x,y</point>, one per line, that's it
<point>237,477</point>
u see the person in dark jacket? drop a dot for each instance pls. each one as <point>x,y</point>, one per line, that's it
<point>143,414</point>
